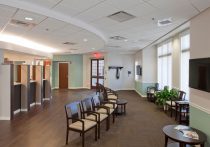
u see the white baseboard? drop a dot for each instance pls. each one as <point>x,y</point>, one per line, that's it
<point>47,99</point>
<point>24,110</point>
<point>126,89</point>
<point>140,94</point>
<point>16,111</point>
<point>32,104</point>
<point>4,118</point>
<point>78,88</point>
<point>55,88</point>
<point>200,107</point>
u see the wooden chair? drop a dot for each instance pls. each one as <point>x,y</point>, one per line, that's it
<point>78,124</point>
<point>101,108</point>
<point>110,95</point>
<point>87,110</point>
<point>171,103</point>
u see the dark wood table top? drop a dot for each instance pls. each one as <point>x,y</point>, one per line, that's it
<point>177,135</point>
<point>121,101</point>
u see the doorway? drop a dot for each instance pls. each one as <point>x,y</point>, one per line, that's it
<point>97,72</point>
<point>63,75</point>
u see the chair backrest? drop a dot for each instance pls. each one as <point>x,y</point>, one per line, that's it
<point>72,111</point>
<point>96,101</point>
<point>87,104</point>
<point>156,86</point>
<point>181,95</point>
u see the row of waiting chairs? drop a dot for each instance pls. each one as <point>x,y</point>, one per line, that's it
<point>89,113</point>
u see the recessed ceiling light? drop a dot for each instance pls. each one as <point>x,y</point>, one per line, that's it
<point>29,18</point>
<point>126,40</point>
<point>85,39</point>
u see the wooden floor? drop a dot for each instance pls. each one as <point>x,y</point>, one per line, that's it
<point>45,126</point>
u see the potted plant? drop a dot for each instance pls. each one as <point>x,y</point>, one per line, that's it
<point>165,95</point>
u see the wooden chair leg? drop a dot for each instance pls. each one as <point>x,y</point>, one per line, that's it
<point>99,130</point>
<point>67,136</point>
<point>107,123</point>
<point>171,111</point>
<point>96,133</point>
<point>83,139</point>
<point>113,115</point>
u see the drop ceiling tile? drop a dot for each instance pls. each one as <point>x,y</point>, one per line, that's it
<point>50,25</point>
<point>6,11</point>
<point>67,30</point>
<point>73,7</point>
<point>141,9</point>
<point>169,4</point>
<point>123,4</point>
<point>16,30</point>
<point>99,11</point>
<point>42,3</point>
<point>21,14</point>
<point>104,22</point>
<point>201,4</point>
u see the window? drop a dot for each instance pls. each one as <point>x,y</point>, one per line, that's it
<point>185,56</point>
<point>165,64</point>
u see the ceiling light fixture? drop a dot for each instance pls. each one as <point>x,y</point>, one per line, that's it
<point>85,39</point>
<point>26,43</point>
<point>126,40</point>
<point>29,18</point>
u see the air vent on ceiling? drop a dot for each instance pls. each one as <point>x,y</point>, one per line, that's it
<point>164,22</point>
<point>69,43</point>
<point>117,38</point>
<point>21,23</point>
<point>121,16</point>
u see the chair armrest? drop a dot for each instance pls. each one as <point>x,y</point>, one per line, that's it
<point>107,102</point>
<point>92,113</point>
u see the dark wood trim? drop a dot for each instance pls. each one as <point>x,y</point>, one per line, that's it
<point>12,91</point>
<point>97,77</point>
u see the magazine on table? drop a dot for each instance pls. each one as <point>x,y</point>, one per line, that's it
<point>187,132</point>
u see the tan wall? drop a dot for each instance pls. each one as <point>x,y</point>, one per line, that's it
<point>16,56</point>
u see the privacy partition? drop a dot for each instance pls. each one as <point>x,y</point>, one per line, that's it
<point>25,87</point>
<point>6,91</point>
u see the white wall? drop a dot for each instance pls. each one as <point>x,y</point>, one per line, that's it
<point>149,67</point>
<point>125,82</point>
<point>138,61</point>
<point>200,48</point>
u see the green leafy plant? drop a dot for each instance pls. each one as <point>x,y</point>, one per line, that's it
<point>165,95</point>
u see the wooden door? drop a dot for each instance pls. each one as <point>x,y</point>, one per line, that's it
<point>97,72</point>
<point>63,75</point>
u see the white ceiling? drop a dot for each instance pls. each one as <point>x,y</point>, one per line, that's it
<point>59,21</point>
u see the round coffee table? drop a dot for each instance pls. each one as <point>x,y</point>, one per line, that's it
<point>182,141</point>
<point>122,104</point>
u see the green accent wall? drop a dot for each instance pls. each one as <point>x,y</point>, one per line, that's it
<point>142,87</point>
<point>75,72</point>
<point>201,121</point>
